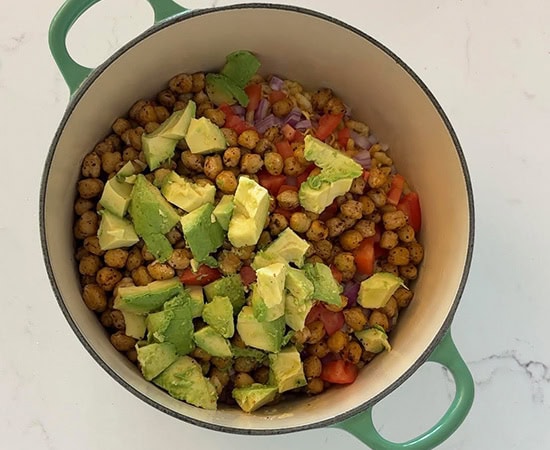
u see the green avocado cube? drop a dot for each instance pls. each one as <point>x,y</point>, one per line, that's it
<point>288,247</point>
<point>325,287</point>
<point>219,315</point>
<point>224,210</point>
<point>298,300</point>
<point>145,299</point>
<point>176,126</point>
<point>115,232</point>
<point>154,358</point>
<point>192,296</point>
<point>157,149</point>
<point>116,196</point>
<point>253,397</point>
<point>204,136</point>
<point>203,235</point>
<point>266,336</point>
<point>377,290</point>
<point>134,324</point>
<point>231,287</point>
<point>286,369</point>
<point>186,194</point>
<point>174,325</point>
<point>212,342</point>
<point>268,301</point>
<point>374,340</point>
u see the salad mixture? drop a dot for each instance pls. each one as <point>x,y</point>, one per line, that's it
<point>243,239</point>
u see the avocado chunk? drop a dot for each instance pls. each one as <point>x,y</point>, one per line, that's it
<point>326,288</point>
<point>127,170</point>
<point>374,340</point>
<point>287,248</point>
<point>231,287</point>
<point>116,196</point>
<point>203,136</point>
<point>154,358</point>
<point>176,126</point>
<point>268,301</point>
<point>266,336</point>
<point>298,300</point>
<point>157,149</point>
<point>174,325</point>
<point>247,352</point>
<point>240,67</point>
<point>335,179</point>
<point>153,217</point>
<point>135,325</point>
<point>377,290</point>
<point>212,342</point>
<point>185,194</point>
<point>221,89</point>
<point>253,397</point>
<point>223,211</point>
<point>250,213</point>
<point>190,296</point>
<point>203,235</point>
<point>184,380</point>
<point>115,232</point>
<point>219,315</point>
<point>286,369</point>
<point>145,299</point>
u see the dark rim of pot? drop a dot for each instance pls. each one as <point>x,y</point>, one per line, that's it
<point>180,18</point>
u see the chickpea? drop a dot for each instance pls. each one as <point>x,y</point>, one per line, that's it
<point>91,244</point>
<point>244,364</point>
<point>94,297</point>
<point>378,196</point>
<point>251,163</point>
<point>216,116</point>
<point>264,240</point>
<point>374,217</point>
<point>229,263</point>
<point>315,386</point>
<point>391,308</point>
<point>388,208</point>
<point>86,225</point>
<point>299,153</point>
<point>323,249</point>
<point>198,82</point>
<point>125,282</point>
<point>319,349</point>
<point>243,379</point>
<point>179,259</point>
<point>301,336</point>
<point>244,253</point>
<point>292,167</point>
<point>377,177</point>
<point>91,165</point>
<point>394,220</point>
<point>288,199</point>
<point>103,147</point>
<point>107,278</point>
<point>399,256</point>
<point>313,259</point>
<point>82,205</point>
<point>105,319</point>
<point>181,84</point>
<point>232,156</point>
<point>416,252</point>
<point>367,228</point>
<point>334,106</point>
<point>160,271</point>
<point>166,98</point>
<point>272,134</point>
<point>300,222</point>
<point>277,224</point>
<point>282,107</point>
<point>379,318</point>
<point>337,341</point>
<point>147,114</point>
<point>263,145</point>
<point>226,182</point>
<point>249,139</point>
<point>316,332</point>
<point>132,355</point>
<point>231,137</point>
<point>274,163</point>
<point>121,125</point>
<point>408,271</point>
<point>261,375</point>
<point>192,161</point>
<point>116,258</point>
<point>213,166</point>
<point>352,209</point>
<point>335,226</point>
<point>134,259</point>
<point>141,276</point>
<point>367,204</point>
<point>117,319</point>
<point>406,234</point>
<point>179,105</point>
<point>403,296</point>
<point>80,253</point>
<point>352,352</point>
<point>383,159</point>
<point>391,268</point>
<point>389,240</point>
<point>358,186</point>
<point>222,363</point>
<point>355,318</point>
<point>320,98</point>
<point>312,367</point>
<point>132,137</point>
<point>317,231</point>
<point>351,239</point>
<point>122,342</point>
<point>146,254</point>
<point>345,262</point>
<point>129,154</point>
<point>90,187</point>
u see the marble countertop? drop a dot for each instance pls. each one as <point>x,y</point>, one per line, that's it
<point>487,62</point>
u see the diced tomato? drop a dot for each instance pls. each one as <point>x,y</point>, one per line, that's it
<point>271,182</point>
<point>327,124</point>
<point>236,123</point>
<point>298,136</point>
<point>410,205</point>
<point>332,321</point>
<point>330,211</point>
<point>203,276</point>
<point>275,96</point>
<point>254,92</point>
<point>396,188</point>
<point>287,212</point>
<point>336,273</point>
<point>288,131</point>
<point>303,176</point>
<point>343,135</point>
<point>364,256</point>
<point>284,149</point>
<point>366,174</point>
<point>226,110</point>
<point>287,187</point>
<point>248,275</point>
<point>339,372</point>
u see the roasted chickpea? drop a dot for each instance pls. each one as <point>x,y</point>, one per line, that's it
<point>213,166</point>
<point>312,367</point>
<point>91,244</point>
<point>317,231</point>
<point>316,332</point>
<point>86,225</point>
<point>122,342</point>
<point>90,187</point>
<point>274,163</point>
<point>251,163</point>
<point>301,336</point>
<point>319,349</point>
<point>403,296</point>
<point>272,134</point>
<point>352,209</point>
<point>244,364</point>
<point>141,276</point>
<point>406,234</point>
<point>134,259</point>
<point>391,308</point>
<point>277,224</point>
<point>320,98</point>
<point>394,220</point>
<point>160,271</point>
<point>121,125</point>
<point>345,262</point>
<point>107,278</point>
<point>89,265</point>
<point>300,222</point>
<point>231,137</point>
<point>292,167</point>
<point>179,259</point>
<point>82,205</point>
<point>288,199</point>
<point>334,106</point>
<point>226,182</point>
<point>416,252</point>
<point>91,165</point>
<point>391,268</point>
<point>263,145</point>
<point>351,239</point>
<point>323,249</point>
<point>229,263</point>
<point>399,256</point>
<point>282,107</point>
<point>379,318</point>
<point>358,186</point>
<point>243,379</point>
<point>181,84</point>
<point>367,204</point>
<point>261,375</point>
<point>192,161</point>
<point>116,258</point>
<point>216,116</point>
<point>130,154</point>
<point>377,177</point>
<point>117,319</point>
<point>337,341</point>
<point>408,271</point>
<point>335,226</point>
<point>232,156</point>
<point>132,137</point>
<point>315,386</point>
<point>352,352</point>
<point>389,240</point>
<point>355,318</point>
<point>249,139</point>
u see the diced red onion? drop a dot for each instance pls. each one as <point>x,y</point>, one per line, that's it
<point>267,122</point>
<point>350,291</point>
<point>363,158</point>
<point>360,140</point>
<point>238,110</point>
<point>276,83</point>
<point>293,117</point>
<point>261,110</point>
<point>303,125</point>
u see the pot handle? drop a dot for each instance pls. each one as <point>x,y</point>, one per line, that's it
<point>446,354</point>
<point>65,18</point>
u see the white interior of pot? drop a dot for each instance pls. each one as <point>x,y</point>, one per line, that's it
<point>317,53</point>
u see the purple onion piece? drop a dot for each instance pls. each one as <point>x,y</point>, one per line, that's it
<point>238,110</point>
<point>350,291</point>
<point>303,125</point>
<point>360,140</point>
<point>363,158</point>
<point>261,110</point>
<point>276,83</point>
<point>293,117</point>
<point>267,122</point>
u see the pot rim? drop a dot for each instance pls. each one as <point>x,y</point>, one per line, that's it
<point>89,81</point>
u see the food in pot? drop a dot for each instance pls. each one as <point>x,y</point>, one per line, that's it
<point>243,239</point>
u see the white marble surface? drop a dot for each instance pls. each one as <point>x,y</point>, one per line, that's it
<point>488,63</point>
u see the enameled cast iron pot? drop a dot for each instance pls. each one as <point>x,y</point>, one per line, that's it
<point>381,90</point>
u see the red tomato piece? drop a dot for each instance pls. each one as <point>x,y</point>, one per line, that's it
<point>271,182</point>
<point>203,276</point>
<point>226,110</point>
<point>330,211</point>
<point>298,136</point>
<point>336,273</point>
<point>410,205</point>
<point>254,92</point>
<point>327,124</point>
<point>284,149</point>
<point>303,176</point>
<point>288,132</point>
<point>236,123</point>
<point>366,174</point>
<point>332,321</point>
<point>339,372</point>
<point>275,96</point>
<point>248,275</point>
<point>343,135</point>
<point>365,257</point>
<point>396,189</point>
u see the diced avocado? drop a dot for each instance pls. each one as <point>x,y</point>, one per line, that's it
<point>231,287</point>
<point>185,194</point>
<point>286,369</point>
<point>248,352</point>
<point>157,149</point>
<point>224,210</point>
<point>203,136</point>
<point>266,336</point>
<point>189,296</point>
<point>202,234</point>
<point>221,89</point>
<point>287,248</point>
<point>219,315</point>
<point>154,358</point>
<point>153,217</point>
<point>144,299</point>
<point>184,380</point>
<point>174,325</point>
<point>374,340</point>
<point>116,196</point>
<point>250,213</point>
<point>135,325</point>
<point>326,288</point>
<point>298,301</point>
<point>115,232</point>
<point>240,67</point>
<point>268,301</point>
<point>335,179</point>
<point>377,290</point>
<point>253,397</point>
<point>127,170</point>
<point>176,126</point>
<point>212,342</point>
